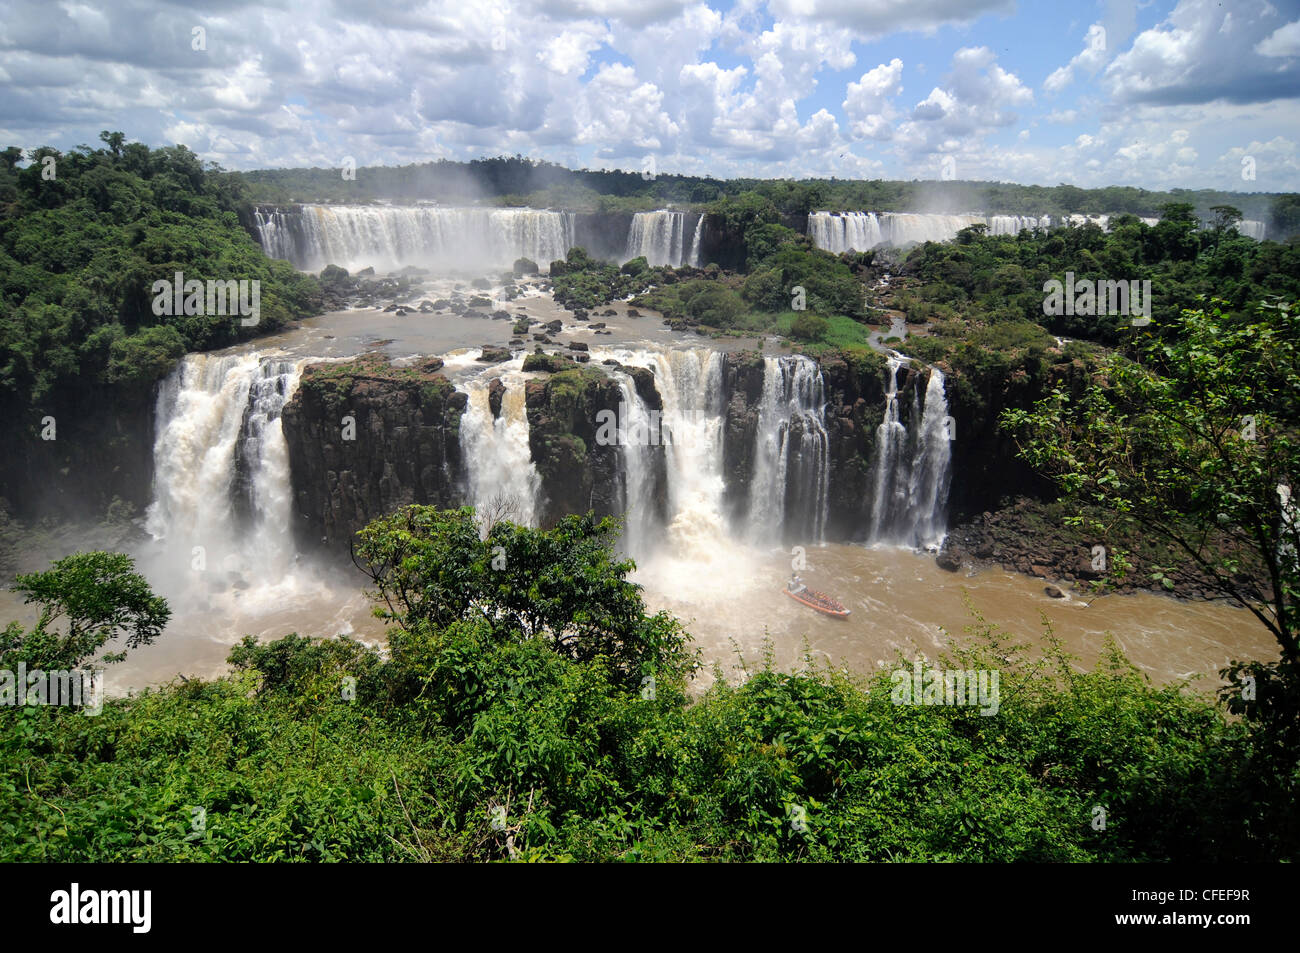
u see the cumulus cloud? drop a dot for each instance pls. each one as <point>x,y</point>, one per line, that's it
<point>868,102</point>
<point>755,87</point>
<point>1090,60</point>
<point>1206,51</point>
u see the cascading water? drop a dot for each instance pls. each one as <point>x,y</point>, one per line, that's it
<point>912,470</point>
<point>906,228</point>
<point>931,467</point>
<point>789,488</point>
<point>219,454</point>
<point>696,242</point>
<point>639,432</point>
<point>838,232</point>
<point>1251,229</point>
<point>661,238</point>
<point>392,237</point>
<point>500,474</point>
<point>1015,224</point>
<point>889,499</point>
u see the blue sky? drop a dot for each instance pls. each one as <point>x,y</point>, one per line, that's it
<point>1178,93</point>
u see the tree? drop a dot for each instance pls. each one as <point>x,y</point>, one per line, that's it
<point>809,327</point>
<point>114,141</point>
<point>1225,217</point>
<point>1284,218</point>
<point>1194,440</point>
<point>563,585</point>
<point>98,596</point>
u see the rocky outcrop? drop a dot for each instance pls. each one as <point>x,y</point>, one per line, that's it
<point>365,438</point>
<point>581,469</point>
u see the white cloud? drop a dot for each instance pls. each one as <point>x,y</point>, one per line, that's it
<point>868,102</point>
<point>1284,41</point>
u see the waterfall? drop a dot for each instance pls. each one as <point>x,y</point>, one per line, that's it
<point>660,237</point>
<point>1101,221</point>
<point>931,467</point>
<point>392,237</point>
<point>888,499</point>
<point>905,228</point>
<point>789,488</point>
<point>1251,229</point>
<point>221,464</point>
<point>838,232</point>
<point>639,430</point>
<point>695,242</point>
<point>1015,224</point>
<point>912,472</point>
<point>499,467</point>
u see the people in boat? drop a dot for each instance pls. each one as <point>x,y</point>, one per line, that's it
<point>795,584</point>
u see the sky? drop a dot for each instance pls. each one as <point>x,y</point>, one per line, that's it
<point>1179,94</point>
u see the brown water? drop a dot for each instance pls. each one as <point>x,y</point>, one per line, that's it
<point>731,601</point>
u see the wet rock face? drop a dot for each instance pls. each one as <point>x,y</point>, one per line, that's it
<point>365,438</point>
<point>855,400</point>
<point>579,471</point>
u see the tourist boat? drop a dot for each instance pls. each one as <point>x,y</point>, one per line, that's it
<point>817,600</point>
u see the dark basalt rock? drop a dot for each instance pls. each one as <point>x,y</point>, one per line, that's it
<point>496,391</point>
<point>406,446</point>
<point>493,354</point>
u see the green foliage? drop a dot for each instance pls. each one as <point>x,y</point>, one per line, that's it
<point>465,745</point>
<point>994,279</point>
<point>562,585</point>
<point>1193,438</point>
<point>79,254</point>
<point>809,327</point>
<point>580,281</point>
<point>95,597</point>
<point>699,301</point>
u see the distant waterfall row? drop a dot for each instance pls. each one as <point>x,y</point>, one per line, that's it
<point>839,232</point>
<point>389,237</point>
<point>392,237</point>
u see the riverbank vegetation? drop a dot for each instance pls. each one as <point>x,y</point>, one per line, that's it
<point>529,707</point>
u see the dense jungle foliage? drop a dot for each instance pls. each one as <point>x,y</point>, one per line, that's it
<point>83,237</point>
<point>530,708</point>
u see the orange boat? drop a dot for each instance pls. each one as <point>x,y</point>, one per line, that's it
<point>817,600</point>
